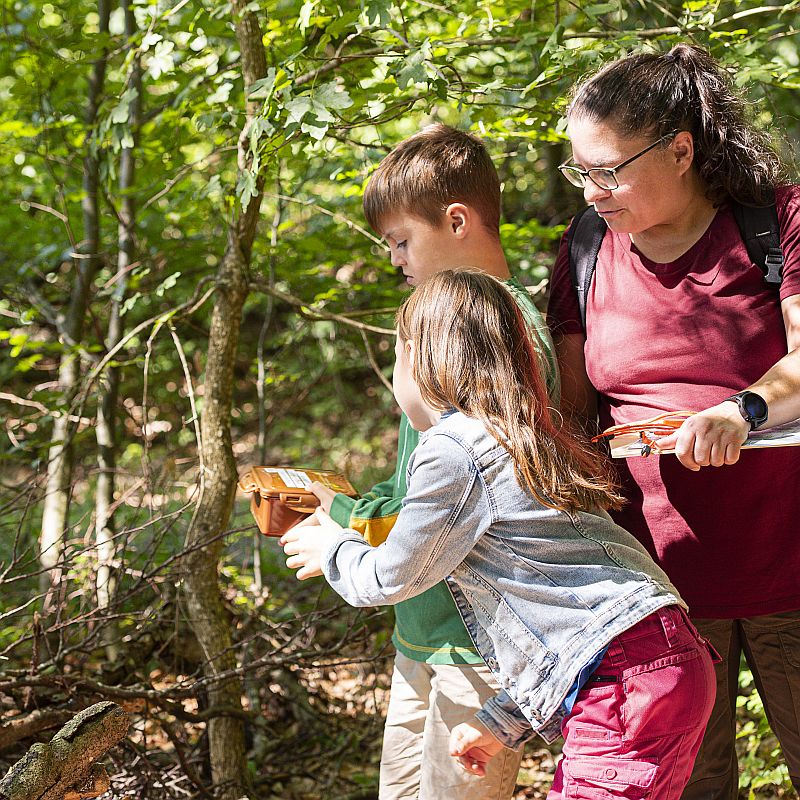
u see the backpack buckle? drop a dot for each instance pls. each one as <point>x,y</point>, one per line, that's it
<point>774,266</point>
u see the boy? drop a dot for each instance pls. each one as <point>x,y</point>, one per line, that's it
<point>435,199</point>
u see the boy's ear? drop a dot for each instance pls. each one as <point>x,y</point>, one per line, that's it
<point>460,219</point>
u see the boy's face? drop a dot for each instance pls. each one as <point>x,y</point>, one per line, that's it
<point>420,249</point>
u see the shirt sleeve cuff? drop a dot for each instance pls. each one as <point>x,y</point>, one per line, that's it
<point>342,508</point>
<point>504,720</point>
<point>330,569</point>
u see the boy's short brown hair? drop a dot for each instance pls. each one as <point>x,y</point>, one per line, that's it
<point>430,170</point>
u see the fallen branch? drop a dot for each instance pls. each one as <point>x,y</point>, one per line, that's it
<point>26,725</point>
<point>65,768</point>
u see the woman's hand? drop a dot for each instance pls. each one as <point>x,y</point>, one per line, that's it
<point>713,437</point>
<point>307,541</point>
<point>473,746</point>
<point>323,494</point>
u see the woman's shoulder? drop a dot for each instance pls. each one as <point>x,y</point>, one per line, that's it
<point>787,200</point>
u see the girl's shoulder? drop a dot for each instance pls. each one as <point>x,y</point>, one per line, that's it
<point>458,432</point>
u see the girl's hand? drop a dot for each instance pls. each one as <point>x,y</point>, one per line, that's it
<point>473,746</point>
<point>324,494</point>
<point>307,541</point>
<point>710,438</point>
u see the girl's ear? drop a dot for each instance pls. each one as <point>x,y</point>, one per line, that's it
<point>408,348</point>
<point>459,219</point>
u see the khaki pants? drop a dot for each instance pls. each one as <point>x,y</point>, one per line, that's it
<point>426,702</point>
<point>771,646</point>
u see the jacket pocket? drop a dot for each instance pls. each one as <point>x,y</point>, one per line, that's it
<point>516,647</point>
<point>601,778</point>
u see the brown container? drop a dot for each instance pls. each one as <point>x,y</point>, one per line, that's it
<point>279,496</point>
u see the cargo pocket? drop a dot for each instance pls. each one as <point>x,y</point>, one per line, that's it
<point>587,778</point>
<point>667,697</point>
<point>790,644</point>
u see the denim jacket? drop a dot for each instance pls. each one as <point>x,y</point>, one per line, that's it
<point>540,591</point>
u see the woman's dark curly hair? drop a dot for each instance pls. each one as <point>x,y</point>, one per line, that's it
<point>686,90</point>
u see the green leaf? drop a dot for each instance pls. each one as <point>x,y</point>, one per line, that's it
<point>329,95</point>
<point>26,364</point>
<point>304,17</point>
<point>262,88</point>
<point>598,9</point>
<point>160,62</point>
<point>316,132</point>
<point>221,94</point>
<point>167,283</point>
<point>121,112</point>
<point>377,12</point>
<point>413,69</point>
<point>246,187</point>
<point>554,41</point>
<point>297,108</point>
<point>129,303</point>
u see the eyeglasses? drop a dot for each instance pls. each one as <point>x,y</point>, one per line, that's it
<point>604,177</point>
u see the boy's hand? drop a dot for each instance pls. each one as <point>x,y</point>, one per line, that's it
<point>307,541</point>
<point>324,494</point>
<point>473,746</point>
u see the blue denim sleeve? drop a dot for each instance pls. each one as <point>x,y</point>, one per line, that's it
<point>445,512</point>
<point>502,716</point>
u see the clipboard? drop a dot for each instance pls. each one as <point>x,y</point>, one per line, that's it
<point>629,445</point>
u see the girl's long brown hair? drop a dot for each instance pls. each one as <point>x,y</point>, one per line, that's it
<point>473,352</point>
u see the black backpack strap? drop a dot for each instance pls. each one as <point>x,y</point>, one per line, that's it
<point>762,237</point>
<point>583,245</point>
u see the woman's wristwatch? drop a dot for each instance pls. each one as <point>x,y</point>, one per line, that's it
<point>753,408</point>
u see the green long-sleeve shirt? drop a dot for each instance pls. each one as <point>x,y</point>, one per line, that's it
<point>428,627</point>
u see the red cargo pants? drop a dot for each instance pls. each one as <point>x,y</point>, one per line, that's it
<point>636,726</point>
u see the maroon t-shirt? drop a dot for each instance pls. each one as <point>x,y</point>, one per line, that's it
<point>686,335</point>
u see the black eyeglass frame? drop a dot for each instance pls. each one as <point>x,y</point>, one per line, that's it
<point>567,169</point>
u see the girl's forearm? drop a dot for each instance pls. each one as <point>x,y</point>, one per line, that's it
<point>353,571</point>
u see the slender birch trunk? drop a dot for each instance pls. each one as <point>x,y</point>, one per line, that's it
<point>202,595</point>
<point>107,410</point>
<point>60,456</point>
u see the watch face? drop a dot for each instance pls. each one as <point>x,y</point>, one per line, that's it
<point>755,407</point>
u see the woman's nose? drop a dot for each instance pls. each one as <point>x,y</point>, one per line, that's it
<point>592,192</point>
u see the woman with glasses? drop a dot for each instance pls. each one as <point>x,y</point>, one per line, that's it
<point>678,317</point>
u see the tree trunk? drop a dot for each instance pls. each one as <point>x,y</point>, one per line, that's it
<point>107,410</point>
<point>218,480</point>
<point>60,455</point>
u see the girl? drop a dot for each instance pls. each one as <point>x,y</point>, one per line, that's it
<point>585,634</point>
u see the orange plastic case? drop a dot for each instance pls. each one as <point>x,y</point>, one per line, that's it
<point>279,496</point>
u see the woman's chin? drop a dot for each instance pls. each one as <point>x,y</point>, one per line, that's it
<point>618,221</point>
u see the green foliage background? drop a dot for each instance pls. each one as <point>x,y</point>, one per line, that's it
<point>345,82</point>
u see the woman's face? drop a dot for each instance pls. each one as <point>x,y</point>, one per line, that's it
<point>653,190</point>
<point>406,392</point>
